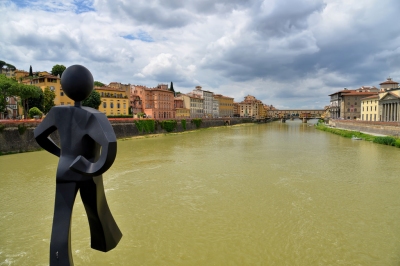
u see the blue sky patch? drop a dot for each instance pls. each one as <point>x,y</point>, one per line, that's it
<point>141,36</point>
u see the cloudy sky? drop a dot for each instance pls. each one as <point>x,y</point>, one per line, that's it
<point>288,53</point>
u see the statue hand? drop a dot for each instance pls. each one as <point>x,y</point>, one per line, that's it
<point>81,165</point>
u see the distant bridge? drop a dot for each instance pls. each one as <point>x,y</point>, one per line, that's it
<point>310,113</point>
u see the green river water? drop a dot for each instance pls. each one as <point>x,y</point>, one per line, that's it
<point>254,194</point>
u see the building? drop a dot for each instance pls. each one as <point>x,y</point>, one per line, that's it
<point>114,101</point>
<point>182,106</point>
<point>196,105</point>
<point>251,107</point>
<point>207,97</point>
<point>44,80</point>
<point>225,105</point>
<point>236,109</point>
<point>370,108</point>
<point>157,102</point>
<point>389,100</point>
<point>346,104</point>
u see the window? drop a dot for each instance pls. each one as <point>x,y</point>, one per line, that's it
<point>61,93</point>
<point>104,105</point>
<point>348,109</point>
<point>111,105</point>
<point>52,88</point>
<point>118,105</point>
<point>62,103</point>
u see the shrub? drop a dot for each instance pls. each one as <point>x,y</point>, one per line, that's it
<point>385,140</point>
<point>21,128</point>
<point>197,122</point>
<point>183,124</point>
<point>145,125</point>
<point>34,111</point>
<point>168,125</point>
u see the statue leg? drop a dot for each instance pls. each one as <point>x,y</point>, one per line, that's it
<point>104,231</point>
<point>60,244</point>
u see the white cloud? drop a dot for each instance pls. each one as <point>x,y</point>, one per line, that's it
<point>285,52</point>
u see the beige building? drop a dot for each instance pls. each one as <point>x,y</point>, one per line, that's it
<point>207,101</point>
<point>225,105</point>
<point>251,107</point>
<point>182,106</point>
<point>196,105</point>
<point>389,101</point>
<point>369,108</point>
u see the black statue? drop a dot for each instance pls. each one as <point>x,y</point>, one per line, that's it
<point>83,133</point>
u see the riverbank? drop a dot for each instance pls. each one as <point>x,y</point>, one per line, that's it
<point>373,137</point>
<point>17,136</point>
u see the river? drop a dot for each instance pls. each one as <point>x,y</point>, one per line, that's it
<point>254,194</point>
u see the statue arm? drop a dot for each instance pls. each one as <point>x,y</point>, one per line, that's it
<point>42,132</point>
<point>102,132</point>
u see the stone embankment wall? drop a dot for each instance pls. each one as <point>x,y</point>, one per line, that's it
<point>17,136</point>
<point>383,128</point>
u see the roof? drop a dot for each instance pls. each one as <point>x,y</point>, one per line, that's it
<point>356,93</point>
<point>394,95</point>
<point>388,81</point>
<point>107,88</point>
<point>370,97</point>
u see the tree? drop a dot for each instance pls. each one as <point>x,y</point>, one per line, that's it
<point>30,71</point>
<point>25,92</point>
<point>36,101</point>
<point>98,84</point>
<point>34,111</point>
<point>2,63</point>
<point>7,89</point>
<point>93,100</point>
<point>172,88</point>
<point>58,70</point>
<point>48,99</point>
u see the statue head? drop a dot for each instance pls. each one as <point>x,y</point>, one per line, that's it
<point>77,82</point>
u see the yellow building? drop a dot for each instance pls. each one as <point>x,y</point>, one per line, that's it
<point>53,83</point>
<point>369,108</point>
<point>114,101</point>
<point>225,105</point>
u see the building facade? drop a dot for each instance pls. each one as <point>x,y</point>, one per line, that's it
<point>370,108</point>
<point>114,101</point>
<point>389,101</point>
<point>207,97</point>
<point>225,104</point>
<point>251,107</point>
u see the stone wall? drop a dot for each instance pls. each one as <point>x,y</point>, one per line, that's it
<point>18,136</point>
<point>383,128</point>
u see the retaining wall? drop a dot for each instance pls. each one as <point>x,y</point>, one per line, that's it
<point>17,136</point>
<point>384,128</point>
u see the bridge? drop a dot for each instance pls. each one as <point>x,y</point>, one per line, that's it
<point>304,114</point>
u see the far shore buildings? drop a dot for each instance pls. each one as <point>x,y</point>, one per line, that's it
<point>157,102</point>
<point>368,103</point>
<point>251,107</point>
<point>346,104</point>
<point>114,100</point>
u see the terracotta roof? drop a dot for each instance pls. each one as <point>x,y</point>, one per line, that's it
<point>106,88</point>
<point>371,97</point>
<point>356,93</point>
<point>389,81</point>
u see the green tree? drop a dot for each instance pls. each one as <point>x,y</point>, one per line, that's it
<point>25,92</point>
<point>48,99</point>
<point>172,88</point>
<point>58,70</point>
<point>36,101</point>
<point>93,100</point>
<point>2,63</point>
<point>34,111</point>
<point>98,84</point>
<point>7,89</point>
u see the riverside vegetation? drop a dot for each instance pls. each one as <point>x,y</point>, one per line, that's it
<point>387,140</point>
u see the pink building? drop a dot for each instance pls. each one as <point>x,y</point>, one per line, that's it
<point>155,102</point>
